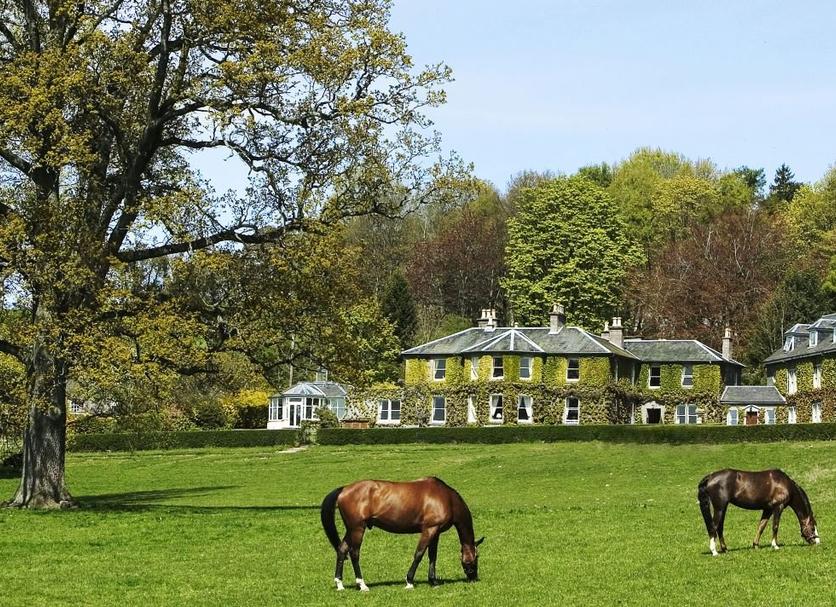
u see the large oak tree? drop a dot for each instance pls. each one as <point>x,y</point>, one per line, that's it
<point>101,103</point>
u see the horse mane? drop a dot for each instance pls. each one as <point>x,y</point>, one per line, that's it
<point>805,501</point>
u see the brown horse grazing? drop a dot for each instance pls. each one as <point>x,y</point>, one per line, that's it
<point>770,491</point>
<point>427,506</point>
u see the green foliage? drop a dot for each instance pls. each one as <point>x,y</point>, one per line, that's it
<point>399,308</point>
<point>567,244</point>
<point>327,418</point>
<point>416,371</point>
<point>180,440</point>
<point>707,378</point>
<point>783,188</point>
<point>210,415</point>
<point>668,433</point>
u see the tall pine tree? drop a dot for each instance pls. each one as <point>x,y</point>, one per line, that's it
<point>399,307</point>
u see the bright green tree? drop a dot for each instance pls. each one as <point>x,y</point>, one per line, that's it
<point>101,104</point>
<point>567,243</point>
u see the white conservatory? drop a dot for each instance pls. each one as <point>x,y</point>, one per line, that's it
<point>299,403</point>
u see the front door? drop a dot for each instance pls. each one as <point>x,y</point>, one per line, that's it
<point>654,416</point>
<point>294,412</point>
<point>751,418</point>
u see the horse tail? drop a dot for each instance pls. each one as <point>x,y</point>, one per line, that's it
<point>326,514</point>
<point>705,506</point>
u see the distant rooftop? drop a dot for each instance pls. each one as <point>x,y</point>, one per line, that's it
<point>752,395</point>
<point>797,341</point>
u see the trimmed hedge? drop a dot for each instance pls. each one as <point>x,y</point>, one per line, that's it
<point>181,440</point>
<point>675,434</point>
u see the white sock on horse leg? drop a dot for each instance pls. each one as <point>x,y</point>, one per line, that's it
<point>712,545</point>
<point>339,583</point>
<point>775,544</point>
<point>362,584</point>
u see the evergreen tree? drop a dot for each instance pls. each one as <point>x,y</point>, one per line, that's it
<point>783,188</point>
<point>399,307</point>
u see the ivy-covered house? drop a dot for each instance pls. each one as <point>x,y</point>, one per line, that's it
<point>804,370</point>
<point>558,374</point>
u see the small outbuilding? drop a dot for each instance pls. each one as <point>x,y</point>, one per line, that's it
<point>753,405</point>
<point>300,402</point>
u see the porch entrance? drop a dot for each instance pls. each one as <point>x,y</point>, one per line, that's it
<point>751,418</point>
<point>654,416</point>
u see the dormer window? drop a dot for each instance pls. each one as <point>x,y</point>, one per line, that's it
<point>814,339</point>
<point>789,344</point>
<point>439,367</point>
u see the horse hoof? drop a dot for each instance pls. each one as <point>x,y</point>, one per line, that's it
<point>755,546</point>
<point>362,585</point>
<point>409,586</point>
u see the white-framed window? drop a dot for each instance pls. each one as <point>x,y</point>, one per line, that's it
<point>337,405</point>
<point>686,414</point>
<point>498,369</point>
<point>654,380</point>
<point>525,368</point>
<point>814,339</point>
<point>471,411</point>
<point>789,344</point>
<point>439,368</point>
<point>525,409</point>
<point>474,368</point>
<point>389,411</point>
<point>732,418</point>
<point>816,413</point>
<point>834,336</point>
<point>688,376</point>
<point>573,369</point>
<point>770,377</point>
<point>572,411</point>
<point>792,382</point>
<point>817,376</point>
<point>439,415</point>
<point>496,409</point>
<point>77,406</point>
<point>792,415</point>
<point>769,415</point>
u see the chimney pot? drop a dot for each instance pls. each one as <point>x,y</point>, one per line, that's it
<point>727,343</point>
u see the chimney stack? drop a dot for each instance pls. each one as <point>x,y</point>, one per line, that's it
<point>616,332</point>
<point>727,339</point>
<point>606,332</point>
<point>557,318</point>
<point>488,320</point>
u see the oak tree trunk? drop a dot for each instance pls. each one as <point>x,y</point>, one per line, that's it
<point>44,442</point>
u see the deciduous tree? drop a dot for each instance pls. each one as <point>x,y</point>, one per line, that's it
<point>101,104</point>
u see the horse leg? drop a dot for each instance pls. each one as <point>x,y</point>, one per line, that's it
<point>342,552</point>
<point>720,532</point>
<point>424,541</point>
<point>433,553</point>
<point>354,544</point>
<point>776,520</point>
<point>719,515</point>
<point>761,526</point>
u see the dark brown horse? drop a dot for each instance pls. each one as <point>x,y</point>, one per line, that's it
<point>769,491</point>
<point>427,506</point>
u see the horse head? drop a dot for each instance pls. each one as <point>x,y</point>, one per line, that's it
<point>470,560</point>
<point>809,531</point>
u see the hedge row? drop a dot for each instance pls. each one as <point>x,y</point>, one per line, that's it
<point>181,440</point>
<point>675,434</point>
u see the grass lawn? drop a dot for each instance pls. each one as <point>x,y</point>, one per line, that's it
<point>571,523</point>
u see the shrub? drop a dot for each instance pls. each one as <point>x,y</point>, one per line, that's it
<point>327,418</point>
<point>674,434</point>
<point>210,414</point>
<point>181,440</point>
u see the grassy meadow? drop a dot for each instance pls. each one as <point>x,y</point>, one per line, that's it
<point>570,523</point>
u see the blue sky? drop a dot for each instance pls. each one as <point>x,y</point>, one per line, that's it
<point>556,85</point>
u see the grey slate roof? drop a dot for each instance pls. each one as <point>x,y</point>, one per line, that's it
<point>522,340</point>
<point>317,389</point>
<point>676,351</point>
<point>824,326</point>
<point>752,395</point>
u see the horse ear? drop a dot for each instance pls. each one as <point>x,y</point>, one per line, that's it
<point>479,541</point>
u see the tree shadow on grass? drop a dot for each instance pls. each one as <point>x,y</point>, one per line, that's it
<point>6,472</point>
<point>141,501</point>
<point>418,583</point>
